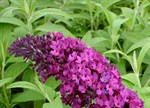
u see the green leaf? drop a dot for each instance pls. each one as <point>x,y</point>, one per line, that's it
<point>146,76</point>
<point>115,28</point>
<point>24,84</point>
<point>87,38</point>
<point>46,3</point>
<point>49,11</point>
<point>4,81</point>
<point>138,44</point>
<point>29,75</point>
<point>124,55</point>
<point>134,37</point>
<point>142,54</point>
<point>46,91</point>
<point>128,13</point>
<point>5,32</point>
<point>53,27</point>
<point>2,99</point>
<point>127,83</point>
<point>48,105</point>
<point>5,39</point>
<point>97,40</point>
<point>27,95</point>
<point>66,106</point>
<point>12,20</point>
<point>26,8</point>
<point>17,3</point>
<point>144,94</point>
<point>121,66</point>
<point>13,59</point>
<point>39,103</point>
<point>107,3</point>
<point>109,15</point>
<point>116,25</point>
<point>20,32</point>
<point>81,16</point>
<point>77,5</point>
<point>4,3</point>
<point>131,77</point>
<point>8,12</point>
<point>146,58</point>
<point>52,82</point>
<point>57,103</point>
<point>15,70</point>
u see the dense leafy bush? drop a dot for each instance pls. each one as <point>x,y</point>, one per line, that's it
<point>119,29</point>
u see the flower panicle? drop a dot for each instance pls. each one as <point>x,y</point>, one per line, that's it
<point>88,80</point>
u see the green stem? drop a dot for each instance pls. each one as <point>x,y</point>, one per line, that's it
<point>2,77</point>
<point>138,80</point>
<point>4,90</point>
<point>45,94</point>
<point>135,14</point>
<point>28,16</point>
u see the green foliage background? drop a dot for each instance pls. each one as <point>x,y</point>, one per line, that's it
<point>119,29</point>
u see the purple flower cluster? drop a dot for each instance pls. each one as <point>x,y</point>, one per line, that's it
<point>88,80</point>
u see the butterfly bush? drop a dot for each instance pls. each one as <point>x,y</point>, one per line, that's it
<point>88,80</point>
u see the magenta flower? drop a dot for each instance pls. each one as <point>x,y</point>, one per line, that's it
<point>88,80</point>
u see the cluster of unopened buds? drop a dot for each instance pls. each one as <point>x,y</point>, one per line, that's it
<point>88,80</point>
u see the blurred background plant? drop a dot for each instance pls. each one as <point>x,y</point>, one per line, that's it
<point>119,29</point>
